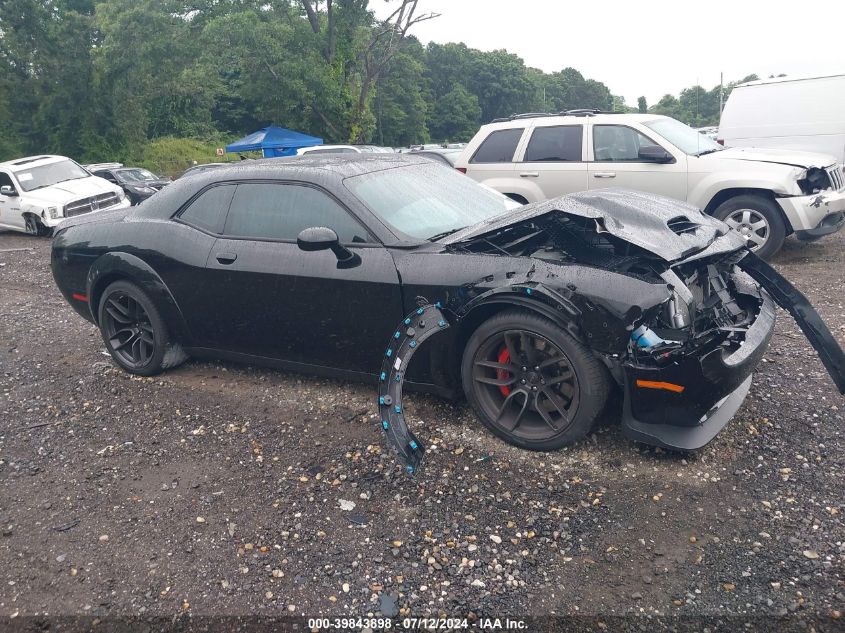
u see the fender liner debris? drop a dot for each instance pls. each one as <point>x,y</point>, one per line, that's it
<point>418,326</point>
<point>793,301</point>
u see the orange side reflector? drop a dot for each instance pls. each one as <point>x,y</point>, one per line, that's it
<point>79,297</point>
<point>653,384</point>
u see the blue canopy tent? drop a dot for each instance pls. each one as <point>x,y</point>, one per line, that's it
<point>274,141</point>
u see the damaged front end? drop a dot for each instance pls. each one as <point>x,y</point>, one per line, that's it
<point>685,361</point>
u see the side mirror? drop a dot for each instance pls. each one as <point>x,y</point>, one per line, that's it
<point>8,190</point>
<point>655,154</point>
<point>321,238</point>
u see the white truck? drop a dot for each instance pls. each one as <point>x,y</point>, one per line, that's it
<point>785,113</point>
<point>764,194</point>
<point>38,192</point>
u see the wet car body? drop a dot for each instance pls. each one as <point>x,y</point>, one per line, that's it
<point>662,294</point>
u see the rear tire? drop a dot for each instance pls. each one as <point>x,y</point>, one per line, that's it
<point>758,219</point>
<point>134,332</point>
<point>545,398</point>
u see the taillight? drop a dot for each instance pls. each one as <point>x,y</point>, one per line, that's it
<point>720,141</point>
<point>463,170</point>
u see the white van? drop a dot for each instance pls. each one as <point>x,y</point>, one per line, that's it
<point>784,113</point>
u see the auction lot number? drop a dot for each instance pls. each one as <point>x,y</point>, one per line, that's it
<point>376,624</point>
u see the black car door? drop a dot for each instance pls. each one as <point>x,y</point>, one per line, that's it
<point>275,300</point>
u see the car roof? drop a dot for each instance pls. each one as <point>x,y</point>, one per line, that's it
<point>571,119</point>
<point>29,162</point>
<point>343,165</point>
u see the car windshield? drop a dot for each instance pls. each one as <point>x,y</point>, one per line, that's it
<point>684,137</point>
<point>136,174</point>
<point>47,175</point>
<point>426,201</point>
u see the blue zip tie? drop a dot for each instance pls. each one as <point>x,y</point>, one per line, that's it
<point>437,305</point>
<point>383,376</point>
<point>398,409</point>
<point>410,469</point>
<point>407,321</point>
<point>381,399</point>
<point>442,323</point>
<point>412,344</point>
<point>389,353</point>
<point>528,291</point>
<point>413,445</point>
<point>419,310</point>
<point>398,377</point>
<point>384,424</point>
<point>396,335</point>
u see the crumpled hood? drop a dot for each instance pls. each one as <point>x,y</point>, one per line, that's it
<point>794,158</point>
<point>670,229</point>
<point>70,190</point>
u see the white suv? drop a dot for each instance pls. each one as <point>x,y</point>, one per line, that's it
<point>764,194</point>
<point>38,192</point>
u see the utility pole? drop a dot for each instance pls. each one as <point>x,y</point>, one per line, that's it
<point>721,93</point>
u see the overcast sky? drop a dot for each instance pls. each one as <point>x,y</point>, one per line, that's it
<point>648,48</point>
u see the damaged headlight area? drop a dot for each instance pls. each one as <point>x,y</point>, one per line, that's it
<point>712,304</point>
<point>815,180</point>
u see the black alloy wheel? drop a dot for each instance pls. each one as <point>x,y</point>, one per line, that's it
<point>526,384</point>
<point>129,330</point>
<point>134,332</point>
<point>531,383</point>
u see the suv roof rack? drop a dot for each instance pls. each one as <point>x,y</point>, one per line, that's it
<point>584,112</point>
<point>524,115</point>
<point>537,115</point>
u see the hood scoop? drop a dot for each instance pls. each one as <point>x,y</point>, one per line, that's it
<point>682,224</point>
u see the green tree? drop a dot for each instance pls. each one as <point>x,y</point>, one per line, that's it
<point>402,97</point>
<point>457,115</point>
<point>642,105</point>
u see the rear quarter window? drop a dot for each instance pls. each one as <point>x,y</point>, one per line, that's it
<point>208,210</point>
<point>499,147</point>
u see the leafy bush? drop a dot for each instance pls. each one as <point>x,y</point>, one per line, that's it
<point>170,156</point>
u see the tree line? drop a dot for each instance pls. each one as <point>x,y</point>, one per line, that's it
<point>102,79</point>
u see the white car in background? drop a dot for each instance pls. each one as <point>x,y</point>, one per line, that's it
<point>38,192</point>
<point>341,149</point>
<point>764,194</point>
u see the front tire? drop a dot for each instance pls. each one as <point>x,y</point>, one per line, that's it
<point>35,227</point>
<point>134,332</point>
<point>531,383</point>
<point>756,218</point>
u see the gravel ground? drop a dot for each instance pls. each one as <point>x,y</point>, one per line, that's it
<point>224,489</point>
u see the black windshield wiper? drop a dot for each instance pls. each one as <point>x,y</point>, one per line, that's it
<point>440,236</point>
<point>707,151</point>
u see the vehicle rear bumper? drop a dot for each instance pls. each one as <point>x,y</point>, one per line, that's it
<point>808,213</point>
<point>714,386</point>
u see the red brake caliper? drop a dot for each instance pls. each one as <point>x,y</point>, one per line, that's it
<point>501,374</point>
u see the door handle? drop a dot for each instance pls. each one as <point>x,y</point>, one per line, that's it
<point>604,174</point>
<point>226,258</point>
<point>530,174</point>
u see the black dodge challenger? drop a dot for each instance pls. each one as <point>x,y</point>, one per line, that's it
<point>309,264</point>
